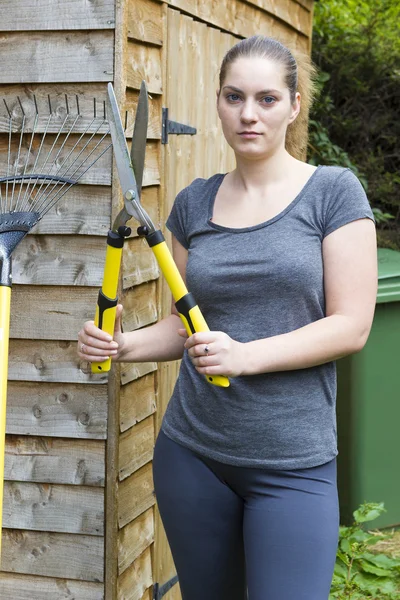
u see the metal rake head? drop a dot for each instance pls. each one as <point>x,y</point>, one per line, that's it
<point>47,152</point>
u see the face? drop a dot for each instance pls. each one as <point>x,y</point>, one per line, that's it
<point>255,108</point>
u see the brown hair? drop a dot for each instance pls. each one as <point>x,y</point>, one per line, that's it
<point>299,77</point>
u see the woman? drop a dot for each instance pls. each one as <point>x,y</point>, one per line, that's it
<point>281,258</point>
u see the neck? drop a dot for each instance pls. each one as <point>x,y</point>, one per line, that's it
<point>250,174</point>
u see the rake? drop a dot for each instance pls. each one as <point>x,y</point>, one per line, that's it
<point>48,150</point>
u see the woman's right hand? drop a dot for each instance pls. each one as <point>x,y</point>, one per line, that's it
<point>95,345</point>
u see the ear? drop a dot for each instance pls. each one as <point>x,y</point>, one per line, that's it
<point>217,100</point>
<point>295,108</point>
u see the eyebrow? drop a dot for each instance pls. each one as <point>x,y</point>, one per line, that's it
<point>235,89</point>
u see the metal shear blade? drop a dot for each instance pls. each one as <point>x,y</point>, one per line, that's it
<point>131,187</point>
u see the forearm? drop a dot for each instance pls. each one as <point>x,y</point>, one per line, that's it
<point>157,343</point>
<point>319,342</point>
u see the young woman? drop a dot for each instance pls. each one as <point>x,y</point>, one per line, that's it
<point>281,258</point>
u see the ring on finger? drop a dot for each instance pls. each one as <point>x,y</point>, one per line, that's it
<point>82,348</point>
<point>206,350</point>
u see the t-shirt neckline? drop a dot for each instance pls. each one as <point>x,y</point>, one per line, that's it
<point>292,204</point>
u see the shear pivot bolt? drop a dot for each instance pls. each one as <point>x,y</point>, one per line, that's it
<point>130,195</point>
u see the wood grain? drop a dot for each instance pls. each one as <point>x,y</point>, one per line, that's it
<point>52,460</point>
<point>144,62</point>
<point>135,495</point>
<point>43,15</point>
<point>145,21</point>
<point>53,554</point>
<point>52,507</point>
<point>136,446</point>
<point>54,410</point>
<point>137,401</point>
<point>50,361</point>
<point>52,313</point>
<point>55,57</point>
<point>140,307</point>
<point>134,582</point>
<point>139,264</point>
<point>28,587</point>
<point>134,538</point>
<point>54,260</point>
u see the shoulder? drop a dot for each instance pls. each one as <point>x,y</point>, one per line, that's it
<point>201,186</point>
<point>336,175</point>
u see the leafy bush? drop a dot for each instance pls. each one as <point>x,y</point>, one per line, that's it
<point>360,574</point>
<point>356,47</point>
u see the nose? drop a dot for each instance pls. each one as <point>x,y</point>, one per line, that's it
<point>249,111</point>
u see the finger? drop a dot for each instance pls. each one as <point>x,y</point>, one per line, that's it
<point>91,330</point>
<point>210,370</point>
<point>85,351</point>
<point>201,337</point>
<point>183,333</point>
<point>118,319</point>
<point>97,343</point>
<point>201,350</point>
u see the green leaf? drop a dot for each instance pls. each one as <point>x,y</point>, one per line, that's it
<point>368,512</point>
<point>370,568</point>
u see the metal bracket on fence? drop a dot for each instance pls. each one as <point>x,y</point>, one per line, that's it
<point>173,127</point>
<point>160,591</point>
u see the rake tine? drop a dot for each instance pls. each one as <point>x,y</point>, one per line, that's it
<point>27,158</point>
<point>37,158</point>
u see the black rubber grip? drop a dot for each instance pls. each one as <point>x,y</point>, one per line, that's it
<point>104,302</point>
<point>184,305</point>
<point>115,240</point>
<point>155,238</point>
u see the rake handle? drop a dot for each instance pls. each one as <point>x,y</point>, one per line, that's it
<point>5,299</point>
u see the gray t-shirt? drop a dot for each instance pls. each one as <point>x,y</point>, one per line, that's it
<point>252,283</point>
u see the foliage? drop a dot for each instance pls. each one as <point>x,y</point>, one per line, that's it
<point>359,573</point>
<point>356,47</point>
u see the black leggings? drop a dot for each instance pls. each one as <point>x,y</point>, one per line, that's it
<point>235,531</point>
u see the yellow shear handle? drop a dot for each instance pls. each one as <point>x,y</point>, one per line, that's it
<point>107,300</point>
<point>188,310</point>
<point>5,298</point>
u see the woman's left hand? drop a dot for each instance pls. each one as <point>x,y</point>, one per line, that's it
<point>215,353</point>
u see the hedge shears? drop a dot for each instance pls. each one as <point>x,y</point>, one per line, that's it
<point>130,167</point>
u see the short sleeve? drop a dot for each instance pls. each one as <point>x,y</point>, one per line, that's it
<point>177,219</point>
<point>348,202</point>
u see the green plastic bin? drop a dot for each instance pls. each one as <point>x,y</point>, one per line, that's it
<point>368,407</point>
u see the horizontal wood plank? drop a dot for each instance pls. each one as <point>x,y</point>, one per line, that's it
<point>134,582</point>
<point>136,446</point>
<point>54,410</point>
<point>134,539</point>
<point>137,401</point>
<point>140,306</point>
<point>289,11</point>
<point>85,210</point>
<point>53,554</point>
<point>51,361</point>
<point>136,494</point>
<point>240,18</point>
<point>132,371</point>
<point>145,21</point>
<point>52,313</point>
<point>55,57</point>
<point>43,15</point>
<point>144,62</point>
<point>139,264</point>
<point>54,260</point>
<point>24,587</point>
<point>51,507</point>
<point>52,460</point>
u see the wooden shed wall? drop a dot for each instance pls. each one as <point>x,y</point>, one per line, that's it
<point>79,514</point>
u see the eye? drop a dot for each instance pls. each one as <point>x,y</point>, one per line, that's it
<point>268,100</point>
<point>233,97</point>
